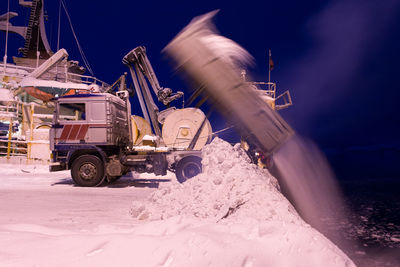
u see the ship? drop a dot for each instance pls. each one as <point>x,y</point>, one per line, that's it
<point>28,84</point>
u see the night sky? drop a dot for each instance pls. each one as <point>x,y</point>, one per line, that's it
<point>339,58</point>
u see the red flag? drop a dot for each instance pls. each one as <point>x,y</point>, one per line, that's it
<point>271,64</point>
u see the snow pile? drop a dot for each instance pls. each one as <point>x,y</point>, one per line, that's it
<point>234,211</point>
<point>230,188</point>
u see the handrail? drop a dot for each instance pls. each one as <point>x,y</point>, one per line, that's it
<point>270,90</point>
<point>58,75</point>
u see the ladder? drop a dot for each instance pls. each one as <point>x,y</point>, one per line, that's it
<point>33,21</point>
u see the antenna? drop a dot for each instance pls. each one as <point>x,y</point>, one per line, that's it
<point>269,70</point>
<point>5,52</point>
<point>37,48</point>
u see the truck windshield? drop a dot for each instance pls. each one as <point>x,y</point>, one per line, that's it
<point>72,112</point>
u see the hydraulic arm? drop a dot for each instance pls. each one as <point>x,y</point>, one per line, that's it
<point>140,69</point>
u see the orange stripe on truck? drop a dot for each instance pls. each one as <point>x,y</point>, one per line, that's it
<point>82,133</point>
<point>74,132</point>
<point>65,132</point>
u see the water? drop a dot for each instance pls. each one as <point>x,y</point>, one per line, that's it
<point>374,223</point>
<point>354,214</point>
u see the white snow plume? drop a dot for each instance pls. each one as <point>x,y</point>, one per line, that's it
<point>308,181</point>
<point>228,50</point>
<point>230,188</point>
<point>224,48</point>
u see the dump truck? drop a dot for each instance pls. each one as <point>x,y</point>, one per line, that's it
<point>95,136</point>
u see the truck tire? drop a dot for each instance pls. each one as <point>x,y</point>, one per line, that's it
<point>87,170</point>
<point>187,168</point>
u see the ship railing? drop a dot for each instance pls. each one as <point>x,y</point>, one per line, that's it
<point>9,114</point>
<point>269,88</point>
<point>13,70</point>
<point>281,101</point>
<point>60,74</point>
<point>17,147</point>
<point>73,77</point>
<point>12,143</point>
<point>11,148</point>
<point>65,76</point>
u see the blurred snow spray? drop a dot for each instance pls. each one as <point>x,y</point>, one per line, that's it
<point>307,180</point>
<point>212,64</point>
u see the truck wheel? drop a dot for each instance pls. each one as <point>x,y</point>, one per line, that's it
<point>187,168</point>
<point>87,170</point>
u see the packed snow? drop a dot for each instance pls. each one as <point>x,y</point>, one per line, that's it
<point>230,188</point>
<point>232,214</point>
<point>26,82</point>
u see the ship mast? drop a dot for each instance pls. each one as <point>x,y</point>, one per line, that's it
<point>36,43</point>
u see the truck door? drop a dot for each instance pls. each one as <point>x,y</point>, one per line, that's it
<point>71,123</point>
<point>81,122</point>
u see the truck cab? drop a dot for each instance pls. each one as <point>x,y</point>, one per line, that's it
<point>91,127</point>
<point>96,119</point>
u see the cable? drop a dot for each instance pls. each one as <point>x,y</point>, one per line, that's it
<point>59,25</point>
<point>223,130</point>
<point>85,61</point>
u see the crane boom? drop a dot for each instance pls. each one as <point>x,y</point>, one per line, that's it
<point>140,69</point>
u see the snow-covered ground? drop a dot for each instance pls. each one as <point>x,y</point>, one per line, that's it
<point>233,214</point>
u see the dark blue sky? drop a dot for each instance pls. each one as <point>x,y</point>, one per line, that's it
<point>339,58</point>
